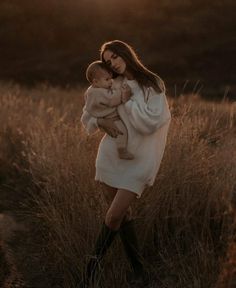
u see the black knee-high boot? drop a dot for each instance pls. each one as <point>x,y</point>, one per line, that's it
<point>103,242</point>
<point>130,242</point>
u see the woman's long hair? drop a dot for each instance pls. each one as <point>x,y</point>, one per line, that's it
<point>142,75</point>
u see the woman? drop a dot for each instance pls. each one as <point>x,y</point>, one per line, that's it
<point>147,117</point>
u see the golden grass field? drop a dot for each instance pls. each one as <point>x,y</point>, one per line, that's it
<point>184,221</point>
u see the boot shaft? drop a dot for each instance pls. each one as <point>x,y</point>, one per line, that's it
<point>130,243</point>
<point>103,242</point>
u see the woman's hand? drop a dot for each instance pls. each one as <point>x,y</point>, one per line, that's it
<point>108,126</point>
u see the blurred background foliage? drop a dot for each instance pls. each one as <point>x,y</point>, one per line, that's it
<point>190,43</point>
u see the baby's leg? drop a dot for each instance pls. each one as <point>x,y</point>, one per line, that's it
<point>121,142</point>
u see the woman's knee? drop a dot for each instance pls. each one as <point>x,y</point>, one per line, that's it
<point>118,209</point>
<point>113,220</point>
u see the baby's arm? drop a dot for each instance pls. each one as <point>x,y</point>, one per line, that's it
<point>115,98</point>
<point>99,100</point>
<point>120,96</point>
<point>89,122</point>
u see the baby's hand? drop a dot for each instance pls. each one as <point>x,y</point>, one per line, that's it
<point>126,93</point>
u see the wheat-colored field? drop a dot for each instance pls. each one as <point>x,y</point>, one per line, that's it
<point>183,221</point>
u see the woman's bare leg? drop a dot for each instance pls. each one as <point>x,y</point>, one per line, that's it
<point>119,207</point>
<point>109,194</point>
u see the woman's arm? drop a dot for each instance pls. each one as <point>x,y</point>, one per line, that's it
<point>148,116</point>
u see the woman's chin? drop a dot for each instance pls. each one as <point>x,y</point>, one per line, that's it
<point>120,71</point>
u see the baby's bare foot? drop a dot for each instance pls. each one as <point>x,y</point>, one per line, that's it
<point>124,154</point>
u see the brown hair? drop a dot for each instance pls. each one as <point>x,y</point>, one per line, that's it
<point>142,75</point>
<point>93,69</point>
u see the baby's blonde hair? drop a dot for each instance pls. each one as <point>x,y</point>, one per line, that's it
<point>94,68</point>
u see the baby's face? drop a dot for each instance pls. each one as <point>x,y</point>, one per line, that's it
<point>103,79</point>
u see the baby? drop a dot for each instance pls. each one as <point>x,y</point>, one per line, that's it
<point>101,100</point>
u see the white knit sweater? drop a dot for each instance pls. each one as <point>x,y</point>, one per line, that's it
<point>147,118</point>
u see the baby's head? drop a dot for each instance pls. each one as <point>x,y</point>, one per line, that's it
<point>98,75</point>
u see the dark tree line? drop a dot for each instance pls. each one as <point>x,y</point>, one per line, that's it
<point>181,40</point>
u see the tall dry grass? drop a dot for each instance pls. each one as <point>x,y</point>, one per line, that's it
<point>183,221</point>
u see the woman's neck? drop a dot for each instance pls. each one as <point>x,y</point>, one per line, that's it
<point>128,75</point>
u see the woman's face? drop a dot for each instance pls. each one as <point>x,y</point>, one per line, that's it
<point>116,63</point>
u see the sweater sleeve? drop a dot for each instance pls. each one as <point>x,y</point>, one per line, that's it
<point>89,122</point>
<point>148,116</point>
<point>101,102</point>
